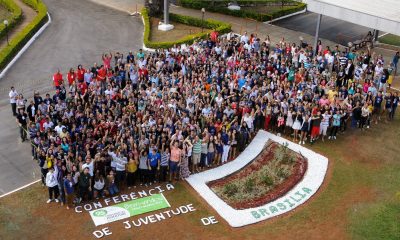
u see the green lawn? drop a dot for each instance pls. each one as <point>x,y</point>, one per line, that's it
<point>390,39</point>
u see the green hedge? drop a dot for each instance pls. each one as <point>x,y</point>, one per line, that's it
<point>14,19</point>
<point>209,24</point>
<point>22,37</point>
<point>32,3</point>
<point>287,9</point>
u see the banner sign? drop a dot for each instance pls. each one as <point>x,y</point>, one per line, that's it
<point>128,209</point>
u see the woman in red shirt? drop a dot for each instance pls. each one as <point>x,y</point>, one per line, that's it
<point>71,76</point>
<point>80,72</point>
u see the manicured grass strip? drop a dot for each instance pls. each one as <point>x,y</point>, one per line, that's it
<point>189,39</point>
<point>390,39</point>
<point>17,42</point>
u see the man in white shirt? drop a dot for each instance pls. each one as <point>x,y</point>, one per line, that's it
<point>48,124</point>
<point>89,164</point>
<point>13,100</point>
<point>244,38</point>
<point>59,128</point>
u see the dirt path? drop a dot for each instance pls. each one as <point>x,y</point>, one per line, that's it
<point>28,15</point>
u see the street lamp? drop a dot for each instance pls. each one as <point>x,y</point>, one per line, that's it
<point>6,24</point>
<point>203,10</point>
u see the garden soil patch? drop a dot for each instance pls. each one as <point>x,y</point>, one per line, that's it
<point>265,157</point>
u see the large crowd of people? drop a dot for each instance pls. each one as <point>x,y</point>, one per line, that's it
<point>160,116</point>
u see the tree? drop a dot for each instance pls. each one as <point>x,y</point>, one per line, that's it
<point>156,7</point>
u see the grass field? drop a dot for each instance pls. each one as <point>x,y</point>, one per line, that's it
<point>179,31</point>
<point>390,39</point>
<point>360,199</point>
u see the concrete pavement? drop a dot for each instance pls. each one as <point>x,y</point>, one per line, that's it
<point>332,29</point>
<point>80,32</point>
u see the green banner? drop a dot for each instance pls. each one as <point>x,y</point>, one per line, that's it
<point>128,209</point>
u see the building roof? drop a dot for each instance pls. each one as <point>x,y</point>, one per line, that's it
<point>383,15</point>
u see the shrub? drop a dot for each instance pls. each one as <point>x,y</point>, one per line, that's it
<point>267,179</point>
<point>287,9</point>
<point>220,27</point>
<point>22,37</point>
<point>249,185</point>
<point>283,173</point>
<point>230,189</point>
<point>14,19</point>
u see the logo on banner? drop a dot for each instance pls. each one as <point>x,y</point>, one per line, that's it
<point>129,209</point>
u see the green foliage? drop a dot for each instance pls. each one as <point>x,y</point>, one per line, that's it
<point>32,3</point>
<point>267,179</point>
<point>249,185</point>
<point>285,10</point>
<point>14,19</point>
<point>262,180</point>
<point>22,37</point>
<point>220,27</point>
<point>230,189</point>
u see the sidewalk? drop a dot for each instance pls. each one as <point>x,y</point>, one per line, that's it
<point>28,15</point>
<point>239,25</point>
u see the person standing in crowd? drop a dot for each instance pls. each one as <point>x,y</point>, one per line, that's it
<point>69,190</point>
<point>52,185</point>
<point>164,164</point>
<point>395,61</point>
<point>111,185</point>
<point>143,168</point>
<point>184,168</point>
<point>58,79</point>
<point>131,168</point>
<point>196,154</point>
<point>13,100</point>
<point>85,185</point>
<point>154,159</point>
<point>119,161</point>
<point>22,121</point>
<point>98,186</point>
<point>175,158</point>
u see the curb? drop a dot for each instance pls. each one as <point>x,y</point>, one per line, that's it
<point>287,16</point>
<point>26,46</point>
<point>144,47</point>
<point>20,188</point>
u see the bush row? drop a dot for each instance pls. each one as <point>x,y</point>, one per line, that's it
<point>22,37</point>
<point>288,8</point>
<point>208,24</point>
<point>14,19</point>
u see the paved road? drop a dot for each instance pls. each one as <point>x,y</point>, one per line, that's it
<point>81,30</point>
<point>332,29</point>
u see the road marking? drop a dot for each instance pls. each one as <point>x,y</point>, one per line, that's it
<point>20,188</point>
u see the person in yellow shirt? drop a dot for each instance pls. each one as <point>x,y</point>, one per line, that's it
<point>331,95</point>
<point>131,168</point>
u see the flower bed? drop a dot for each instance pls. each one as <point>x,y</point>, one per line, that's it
<point>275,171</point>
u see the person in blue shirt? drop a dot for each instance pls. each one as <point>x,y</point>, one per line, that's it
<point>69,190</point>
<point>154,159</point>
<point>335,124</point>
<point>241,82</point>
